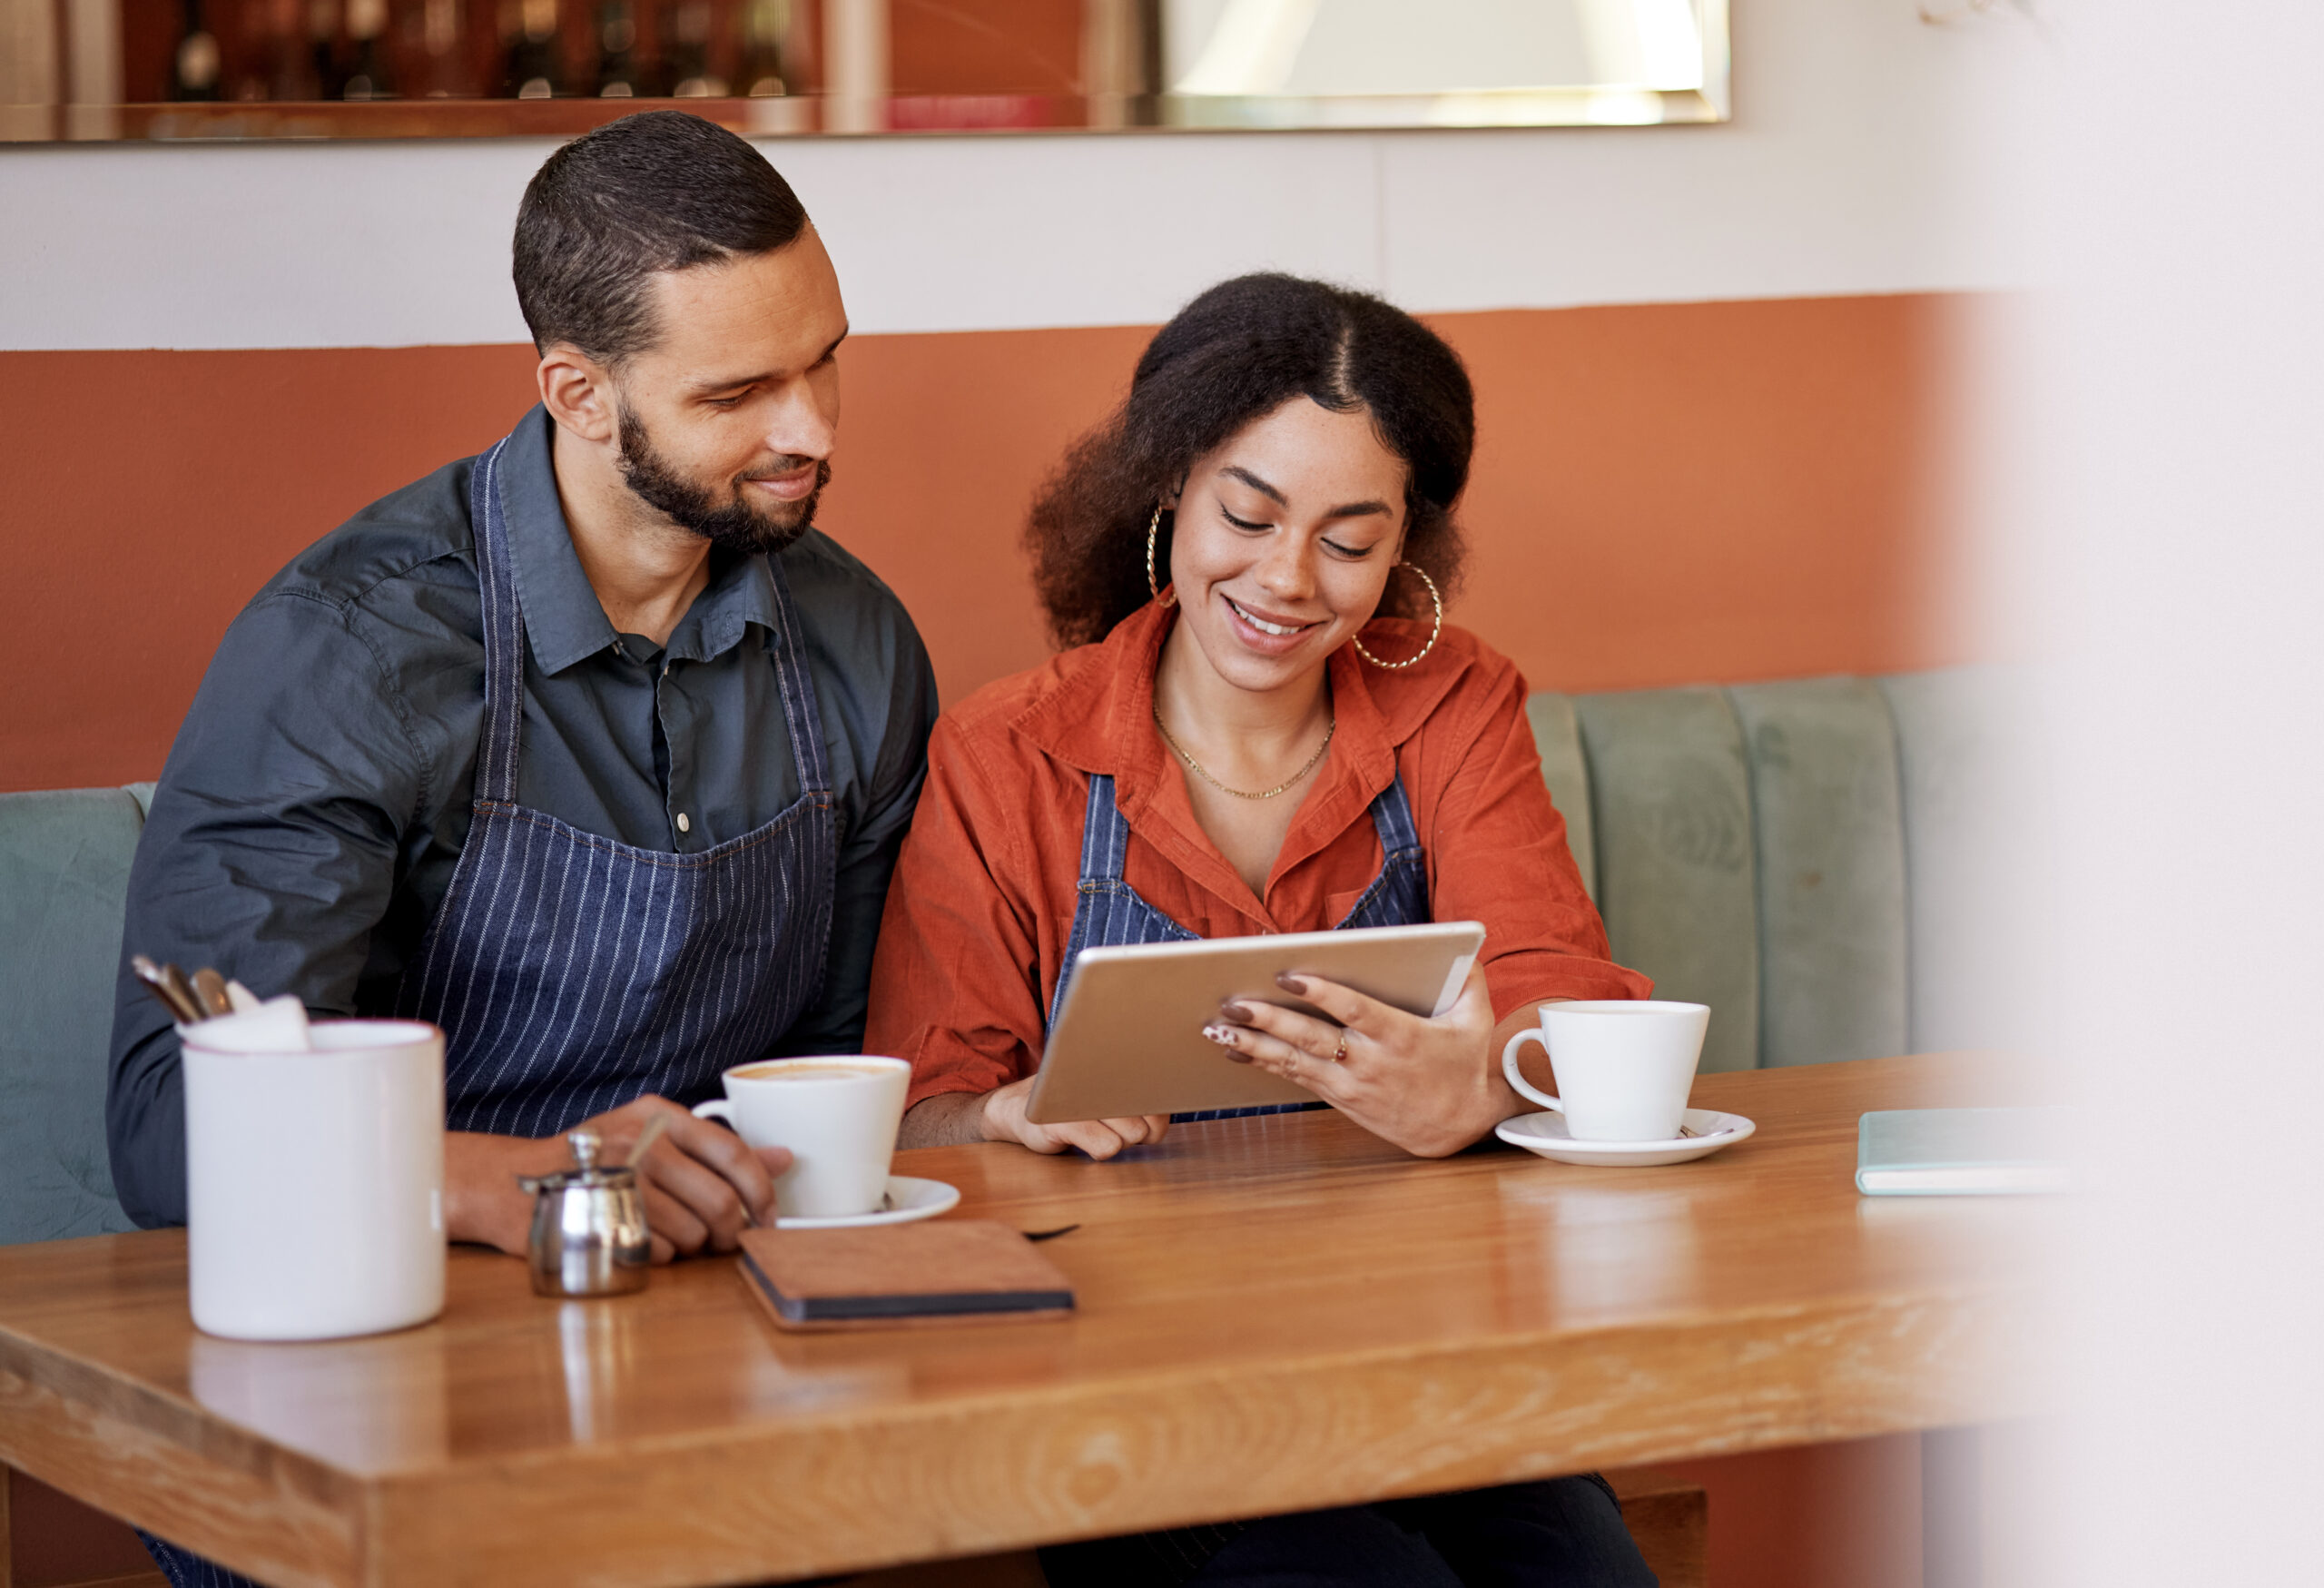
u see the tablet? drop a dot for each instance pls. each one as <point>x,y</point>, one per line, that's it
<point>1129,1038</point>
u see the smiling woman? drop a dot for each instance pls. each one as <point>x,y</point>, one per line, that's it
<point>1224,756</point>
<point>1220,757</point>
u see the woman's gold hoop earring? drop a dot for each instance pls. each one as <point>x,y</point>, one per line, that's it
<point>1435,600</point>
<point>1153,532</point>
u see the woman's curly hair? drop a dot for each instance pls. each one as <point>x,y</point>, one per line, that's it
<point>1234,355</point>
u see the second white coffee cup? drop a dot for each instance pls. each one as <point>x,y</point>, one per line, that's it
<point>1623,1066</point>
<point>837,1113</point>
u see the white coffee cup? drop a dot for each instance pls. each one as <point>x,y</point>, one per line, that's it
<point>315,1180</point>
<point>837,1113</point>
<point>1624,1066</point>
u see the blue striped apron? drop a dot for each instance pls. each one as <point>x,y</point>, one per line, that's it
<point>1109,911</point>
<point>571,973</point>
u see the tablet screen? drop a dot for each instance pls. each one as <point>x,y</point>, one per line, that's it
<point>1129,1038</point>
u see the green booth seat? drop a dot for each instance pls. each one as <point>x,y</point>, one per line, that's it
<point>1816,859</point>
<point>64,877</point>
<point>1820,860</point>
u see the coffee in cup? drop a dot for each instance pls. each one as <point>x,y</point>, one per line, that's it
<point>1623,1066</point>
<point>837,1115</point>
<point>801,1070</point>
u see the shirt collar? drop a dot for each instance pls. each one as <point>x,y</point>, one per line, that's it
<point>1099,716</point>
<point>740,594</point>
<point>563,620</point>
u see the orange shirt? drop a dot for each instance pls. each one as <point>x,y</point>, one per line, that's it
<point>981,906</point>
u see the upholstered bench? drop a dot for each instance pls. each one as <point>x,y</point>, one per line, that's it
<point>1807,858</point>
<point>1814,859</point>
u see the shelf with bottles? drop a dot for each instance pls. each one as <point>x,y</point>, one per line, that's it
<point>233,69</point>
<point>180,54</point>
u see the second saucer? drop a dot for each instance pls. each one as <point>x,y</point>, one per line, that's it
<point>1544,1133</point>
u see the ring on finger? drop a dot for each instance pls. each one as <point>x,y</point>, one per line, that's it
<point>1340,1052</point>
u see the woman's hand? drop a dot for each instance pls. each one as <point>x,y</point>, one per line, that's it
<point>1431,1086</point>
<point>1004,1120</point>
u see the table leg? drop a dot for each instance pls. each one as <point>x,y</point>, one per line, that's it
<point>1952,1508</point>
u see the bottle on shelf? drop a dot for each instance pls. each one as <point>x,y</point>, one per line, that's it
<point>249,65</point>
<point>289,70</point>
<point>766,23</point>
<point>324,70</point>
<point>443,40</point>
<point>532,70</point>
<point>195,68</point>
<point>687,27</point>
<point>617,67</point>
<point>368,76</point>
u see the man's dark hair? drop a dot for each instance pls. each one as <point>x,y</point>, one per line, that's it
<point>1234,355</point>
<point>659,191</point>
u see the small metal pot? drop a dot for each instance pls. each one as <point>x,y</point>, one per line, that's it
<point>589,1235</point>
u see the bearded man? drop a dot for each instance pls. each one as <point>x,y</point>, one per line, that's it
<point>590,749</point>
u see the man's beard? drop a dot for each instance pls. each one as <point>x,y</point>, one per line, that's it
<point>736,523</point>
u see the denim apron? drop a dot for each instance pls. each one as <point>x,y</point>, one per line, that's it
<point>571,973</point>
<point>1109,912</point>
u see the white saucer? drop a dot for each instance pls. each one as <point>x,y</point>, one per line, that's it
<point>908,1199</point>
<point>1544,1133</point>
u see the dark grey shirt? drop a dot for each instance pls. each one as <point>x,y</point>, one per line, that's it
<point>314,806</point>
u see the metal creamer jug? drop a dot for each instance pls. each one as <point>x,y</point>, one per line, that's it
<point>589,1235</point>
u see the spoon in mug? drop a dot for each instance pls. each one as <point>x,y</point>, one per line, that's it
<point>209,987</point>
<point>646,1139</point>
<point>173,992</point>
<point>183,985</point>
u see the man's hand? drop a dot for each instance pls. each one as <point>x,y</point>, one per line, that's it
<point>703,1186</point>
<point>1004,1120</point>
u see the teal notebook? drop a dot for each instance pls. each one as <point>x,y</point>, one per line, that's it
<point>1961,1152</point>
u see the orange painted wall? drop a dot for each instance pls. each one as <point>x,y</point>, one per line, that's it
<point>1710,492</point>
<point>1662,494</point>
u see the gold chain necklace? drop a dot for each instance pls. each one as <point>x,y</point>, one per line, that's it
<point>1330,726</point>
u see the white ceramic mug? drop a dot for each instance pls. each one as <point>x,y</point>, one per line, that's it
<point>315,1181</point>
<point>1624,1066</point>
<point>836,1112</point>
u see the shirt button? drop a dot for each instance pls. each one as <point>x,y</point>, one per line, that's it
<point>684,825</point>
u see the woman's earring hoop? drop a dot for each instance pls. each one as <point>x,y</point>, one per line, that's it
<point>1435,600</point>
<point>1153,532</point>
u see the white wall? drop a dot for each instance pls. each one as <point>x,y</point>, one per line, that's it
<point>1854,165</point>
<point>2159,533</point>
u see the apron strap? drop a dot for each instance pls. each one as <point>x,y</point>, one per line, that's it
<point>1105,836</point>
<point>1392,818</point>
<point>801,715</point>
<point>504,676</point>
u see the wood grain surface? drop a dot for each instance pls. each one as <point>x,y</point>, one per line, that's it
<point>1276,1314</point>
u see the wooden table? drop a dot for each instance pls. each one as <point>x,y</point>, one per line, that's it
<point>1276,1314</point>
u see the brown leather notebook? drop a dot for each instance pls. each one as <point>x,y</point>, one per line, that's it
<point>950,1270</point>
